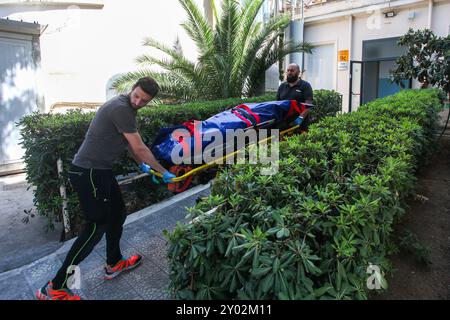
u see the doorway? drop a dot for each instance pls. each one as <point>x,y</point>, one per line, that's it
<point>18,89</point>
<point>370,78</point>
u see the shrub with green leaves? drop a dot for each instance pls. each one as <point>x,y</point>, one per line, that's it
<point>311,230</point>
<point>47,137</point>
<point>330,103</point>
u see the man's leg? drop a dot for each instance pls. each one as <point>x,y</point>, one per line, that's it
<point>82,247</point>
<point>114,230</point>
<point>93,188</point>
<point>116,264</point>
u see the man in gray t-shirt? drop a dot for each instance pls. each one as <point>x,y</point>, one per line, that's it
<point>110,133</point>
<point>105,140</point>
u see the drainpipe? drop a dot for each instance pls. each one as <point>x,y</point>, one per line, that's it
<point>350,56</point>
<point>303,34</point>
<point>430,13</point>
<point>62,192</point>
<point>350,36</point>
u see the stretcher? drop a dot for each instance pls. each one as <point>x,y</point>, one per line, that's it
<point>267,115</point>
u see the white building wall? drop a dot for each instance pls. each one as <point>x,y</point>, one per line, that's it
<point>364,28</point>
<point>380,27</point>
<point>440,22</point>
<point>323,26</point>
<point>82,49</point>
<point>333,32</point>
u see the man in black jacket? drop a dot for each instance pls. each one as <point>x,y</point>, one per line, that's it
<point>296,89</point>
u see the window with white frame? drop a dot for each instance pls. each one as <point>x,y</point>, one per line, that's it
<point>320,67</point>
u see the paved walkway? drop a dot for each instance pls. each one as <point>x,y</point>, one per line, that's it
<point>22,243</point>
<point>142,234</point>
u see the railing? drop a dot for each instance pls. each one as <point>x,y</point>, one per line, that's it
<point>293,6</point>
<point>63,106</point>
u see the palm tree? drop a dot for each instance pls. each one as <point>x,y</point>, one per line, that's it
<point>232,56</point>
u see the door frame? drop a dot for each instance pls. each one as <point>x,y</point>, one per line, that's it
<point>362,62</point>
<point>350,96</point>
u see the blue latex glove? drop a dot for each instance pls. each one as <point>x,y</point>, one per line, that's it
<point>298,121</point>
<point>168,176</point>
<point>145,168</point>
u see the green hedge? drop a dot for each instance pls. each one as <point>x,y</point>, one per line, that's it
<point>330,103</point>
<point>47,137</point>
<point>311,230</point>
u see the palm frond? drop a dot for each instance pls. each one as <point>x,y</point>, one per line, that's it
<point>233,55</point>
<point>169,65</point>
<point>152,43</point>
<point>268,57</point>
<point>214,10</point>
<point>249,12</point>
<point>173,85</point>
<point>125,81</point>
<point>273,26</point>
<point>226,32</point>
<point>197,26</point>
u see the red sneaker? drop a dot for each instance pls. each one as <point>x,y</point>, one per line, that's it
<point>123,265</point>
<point>48,293</point>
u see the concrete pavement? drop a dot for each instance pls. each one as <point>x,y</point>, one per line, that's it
<point>22,243</point>
<point>142,234</point>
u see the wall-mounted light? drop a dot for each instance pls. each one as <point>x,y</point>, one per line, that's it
<point>390,14</point>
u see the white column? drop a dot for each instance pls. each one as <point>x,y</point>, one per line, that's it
<point>430,13</point>
<point>346,96</point>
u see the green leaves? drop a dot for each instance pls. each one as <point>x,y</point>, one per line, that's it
<point>283,233</point>
<point>311,230</point>
<point>427,59</point>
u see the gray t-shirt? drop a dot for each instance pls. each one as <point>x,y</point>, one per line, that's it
<point>104,141</point>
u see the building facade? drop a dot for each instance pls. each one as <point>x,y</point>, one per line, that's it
<point>62,51</point>
<point>356,42</point>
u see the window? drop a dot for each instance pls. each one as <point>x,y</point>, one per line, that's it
<point>320,67</point>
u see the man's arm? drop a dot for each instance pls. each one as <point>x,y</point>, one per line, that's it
<point>132,153</point>
<point>141,153</point>
<point>308,92</point>
<point>304,113</point>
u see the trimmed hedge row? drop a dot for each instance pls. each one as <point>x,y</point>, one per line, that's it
<point>329,103</point>
<point>47,137</point>
<point>311,230</point>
